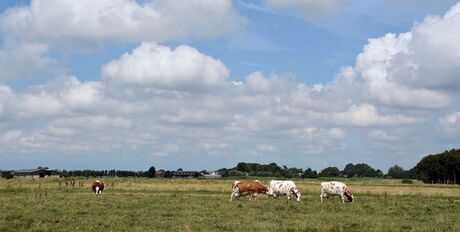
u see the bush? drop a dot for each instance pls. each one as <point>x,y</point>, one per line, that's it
<point>236,173</point>
<point>407,181</point>
<point>7,175</point>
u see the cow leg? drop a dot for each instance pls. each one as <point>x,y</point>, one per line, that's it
<point>343,198</point>
<point>324,195</point>
<point>231,196</point>
<point>234,193</point>
<point>250,194</point>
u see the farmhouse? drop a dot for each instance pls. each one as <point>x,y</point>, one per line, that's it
<point>36,173</point>
<point>184,174</point>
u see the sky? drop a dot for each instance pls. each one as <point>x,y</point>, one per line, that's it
<point>205,84</point>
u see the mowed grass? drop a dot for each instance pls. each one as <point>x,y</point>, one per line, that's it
<point>130,204</point>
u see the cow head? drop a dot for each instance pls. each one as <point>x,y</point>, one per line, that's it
<point>269,192</point>
<point>265,190</point>
<point>297,195</point>
<point>98,190</point>
<point>349,196</point>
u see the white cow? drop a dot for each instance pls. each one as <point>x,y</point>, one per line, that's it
<point>335,188</point>
<point>283,187</point>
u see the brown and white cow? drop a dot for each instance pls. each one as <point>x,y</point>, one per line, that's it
<point>335,188</point>
<point>97,187</point>
<point>251,187</point>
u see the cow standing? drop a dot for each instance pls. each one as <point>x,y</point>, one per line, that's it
<point>335,188</point>
<point>97,187</point>
<point>283,187</point>
<point>251,187</point>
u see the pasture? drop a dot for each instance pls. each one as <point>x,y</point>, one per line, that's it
<point>129,204</point>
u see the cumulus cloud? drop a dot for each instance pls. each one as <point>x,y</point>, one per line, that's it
<point>63,96</point>
<point>183,68</point>
<point>305,8</point>
<point>417,69</point>
<point>15,57</point>
<point>88,21</point>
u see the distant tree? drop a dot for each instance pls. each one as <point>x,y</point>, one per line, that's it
<point>223,172</point>
<point>349,170</point>
<point>243,167</point>
<point>151,172</point>
<point>310,174</point>
<point>329,172</point>
<point>7,175</point>
<point>360,170</point>
<point>180,170</point>
<point>236,173</point>
<point>396,172</point>
<point>168,174</point>
<point>379,173</point>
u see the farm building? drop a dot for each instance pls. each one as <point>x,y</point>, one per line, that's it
<point>160,173</point>
<point>212,175</point>
<point>184,174</point>
<point>36,173</point>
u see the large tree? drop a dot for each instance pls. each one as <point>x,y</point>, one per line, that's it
<point>440,168</point>
<point>151,172</point>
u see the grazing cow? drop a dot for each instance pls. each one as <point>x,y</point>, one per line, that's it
<point>283,187</point>
<point>97,187</point>
<point>251,187</point>
<point>335,188</point>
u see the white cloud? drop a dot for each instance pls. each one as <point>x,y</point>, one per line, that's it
<point>417,69</point>
<point>449,125</point>
<point>21,61</point>
<point>11,135</point>
<point>381,135</point>
<point>265,148</point>
<point>366,115</point>
<point>450,119</point>
<point>256,82</point>
<point>62,96</point>
<point>87,22</point>
<point>169,149</point>
<point>336,133</point>
<point>305,8</point>
<point>94,122</point>
<point>183,68</point>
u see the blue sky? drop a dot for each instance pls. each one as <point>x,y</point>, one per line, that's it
<point>206,84</point>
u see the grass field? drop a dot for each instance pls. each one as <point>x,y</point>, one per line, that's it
<point>203,205</point>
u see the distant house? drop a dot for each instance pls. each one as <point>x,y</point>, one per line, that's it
<point>184,174</point>
<point>212,175</point>
<point>36,173</point>
<point>160,173</point>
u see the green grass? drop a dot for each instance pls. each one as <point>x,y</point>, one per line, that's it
<point>203,205</point>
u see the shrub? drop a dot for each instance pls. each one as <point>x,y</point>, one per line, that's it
<point>407,181</point>
<point>7,175</point>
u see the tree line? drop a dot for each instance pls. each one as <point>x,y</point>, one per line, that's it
<point>350,170</point>
<point>434,168</point>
